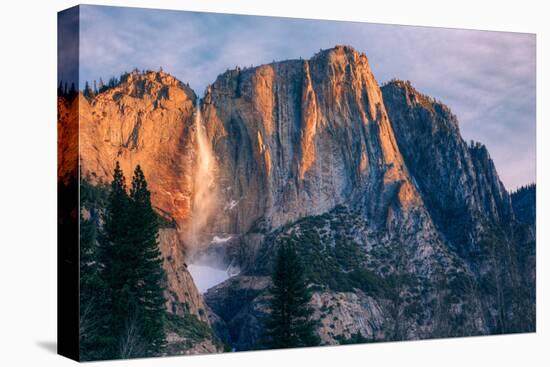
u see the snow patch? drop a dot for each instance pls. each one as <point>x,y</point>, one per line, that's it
<point>231,205</point>
<point>217,240</point>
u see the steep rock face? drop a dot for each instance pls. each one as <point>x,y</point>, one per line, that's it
<point>299,137</point>
<point>67,143</point>
<point>344,314</point>
<point>194,334</point>
<point>395,284</point>
<point>182,294</point>
<point>458,183</point>
<point>468,204</point>
<point>409,285</point>
<point>146,119</point>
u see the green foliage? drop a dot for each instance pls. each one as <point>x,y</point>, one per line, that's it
<point>123,270</point>
<point>92,292</point>
<point>356,338</point>
<point>112,251</point>
<point>189,327</point>
<point>148,273</point>
<point>93,196</point>
<point>529,188</point>
<point>524,203</point>
<point>336,262</point>
<point>289,323</point>
<point>192,331</point>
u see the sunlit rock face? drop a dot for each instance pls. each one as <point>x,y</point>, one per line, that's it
<point>297,138</point>
<point>67,140</point>
<point>148,120</point>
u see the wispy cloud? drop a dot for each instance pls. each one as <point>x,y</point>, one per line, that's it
<point>487,78</point>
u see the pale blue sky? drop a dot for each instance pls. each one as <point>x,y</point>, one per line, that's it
<point>486,78</point>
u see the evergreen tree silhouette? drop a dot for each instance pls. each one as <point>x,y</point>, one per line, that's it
<point>289,324</point>
<point>88,93</point>
<point>148,271</point>
<point>92,293</point>
<point>116,271</point>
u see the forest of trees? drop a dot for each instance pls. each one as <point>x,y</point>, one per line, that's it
<point>90,91</point>
<point>96,88</point>
<point>524,202</point>
<point>63,90</point>
<point>122,308</point>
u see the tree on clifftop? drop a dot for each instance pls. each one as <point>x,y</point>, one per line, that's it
<point>289,325</point>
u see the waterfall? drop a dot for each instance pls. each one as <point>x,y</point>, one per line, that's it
<point>207,269</point>
<point>204,198</point>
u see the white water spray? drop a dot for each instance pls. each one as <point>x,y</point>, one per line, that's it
<point>204,198</point>
<point>206,269</point>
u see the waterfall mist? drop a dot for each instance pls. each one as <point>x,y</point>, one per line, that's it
<point>208,268</point>
<point>205,196</point>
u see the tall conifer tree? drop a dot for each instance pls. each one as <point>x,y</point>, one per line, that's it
<point>132,311</point>
<point>148,271</point>
<point>92,292</point>
<point>289,324</point>
<point>115,272</point>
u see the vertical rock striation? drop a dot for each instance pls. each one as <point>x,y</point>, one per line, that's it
<point>458,182</point>
<point>299,137</point>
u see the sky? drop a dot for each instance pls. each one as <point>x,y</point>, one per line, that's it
<point>486,78</point>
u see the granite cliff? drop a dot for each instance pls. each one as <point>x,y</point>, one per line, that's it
<point>406,230</point>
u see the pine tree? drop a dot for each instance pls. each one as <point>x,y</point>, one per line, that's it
<point>87,90</point>
<point>72,92</point>
<point>92,293</point>
<point>60,89</point>
<point>101,85</point>
<point>148,267</point>
<point>115,270</point>
<point>289,324</point>
<point>130,309</point>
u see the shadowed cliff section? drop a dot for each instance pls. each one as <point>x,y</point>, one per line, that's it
<point>468,204</point>
<point>458,182</point>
